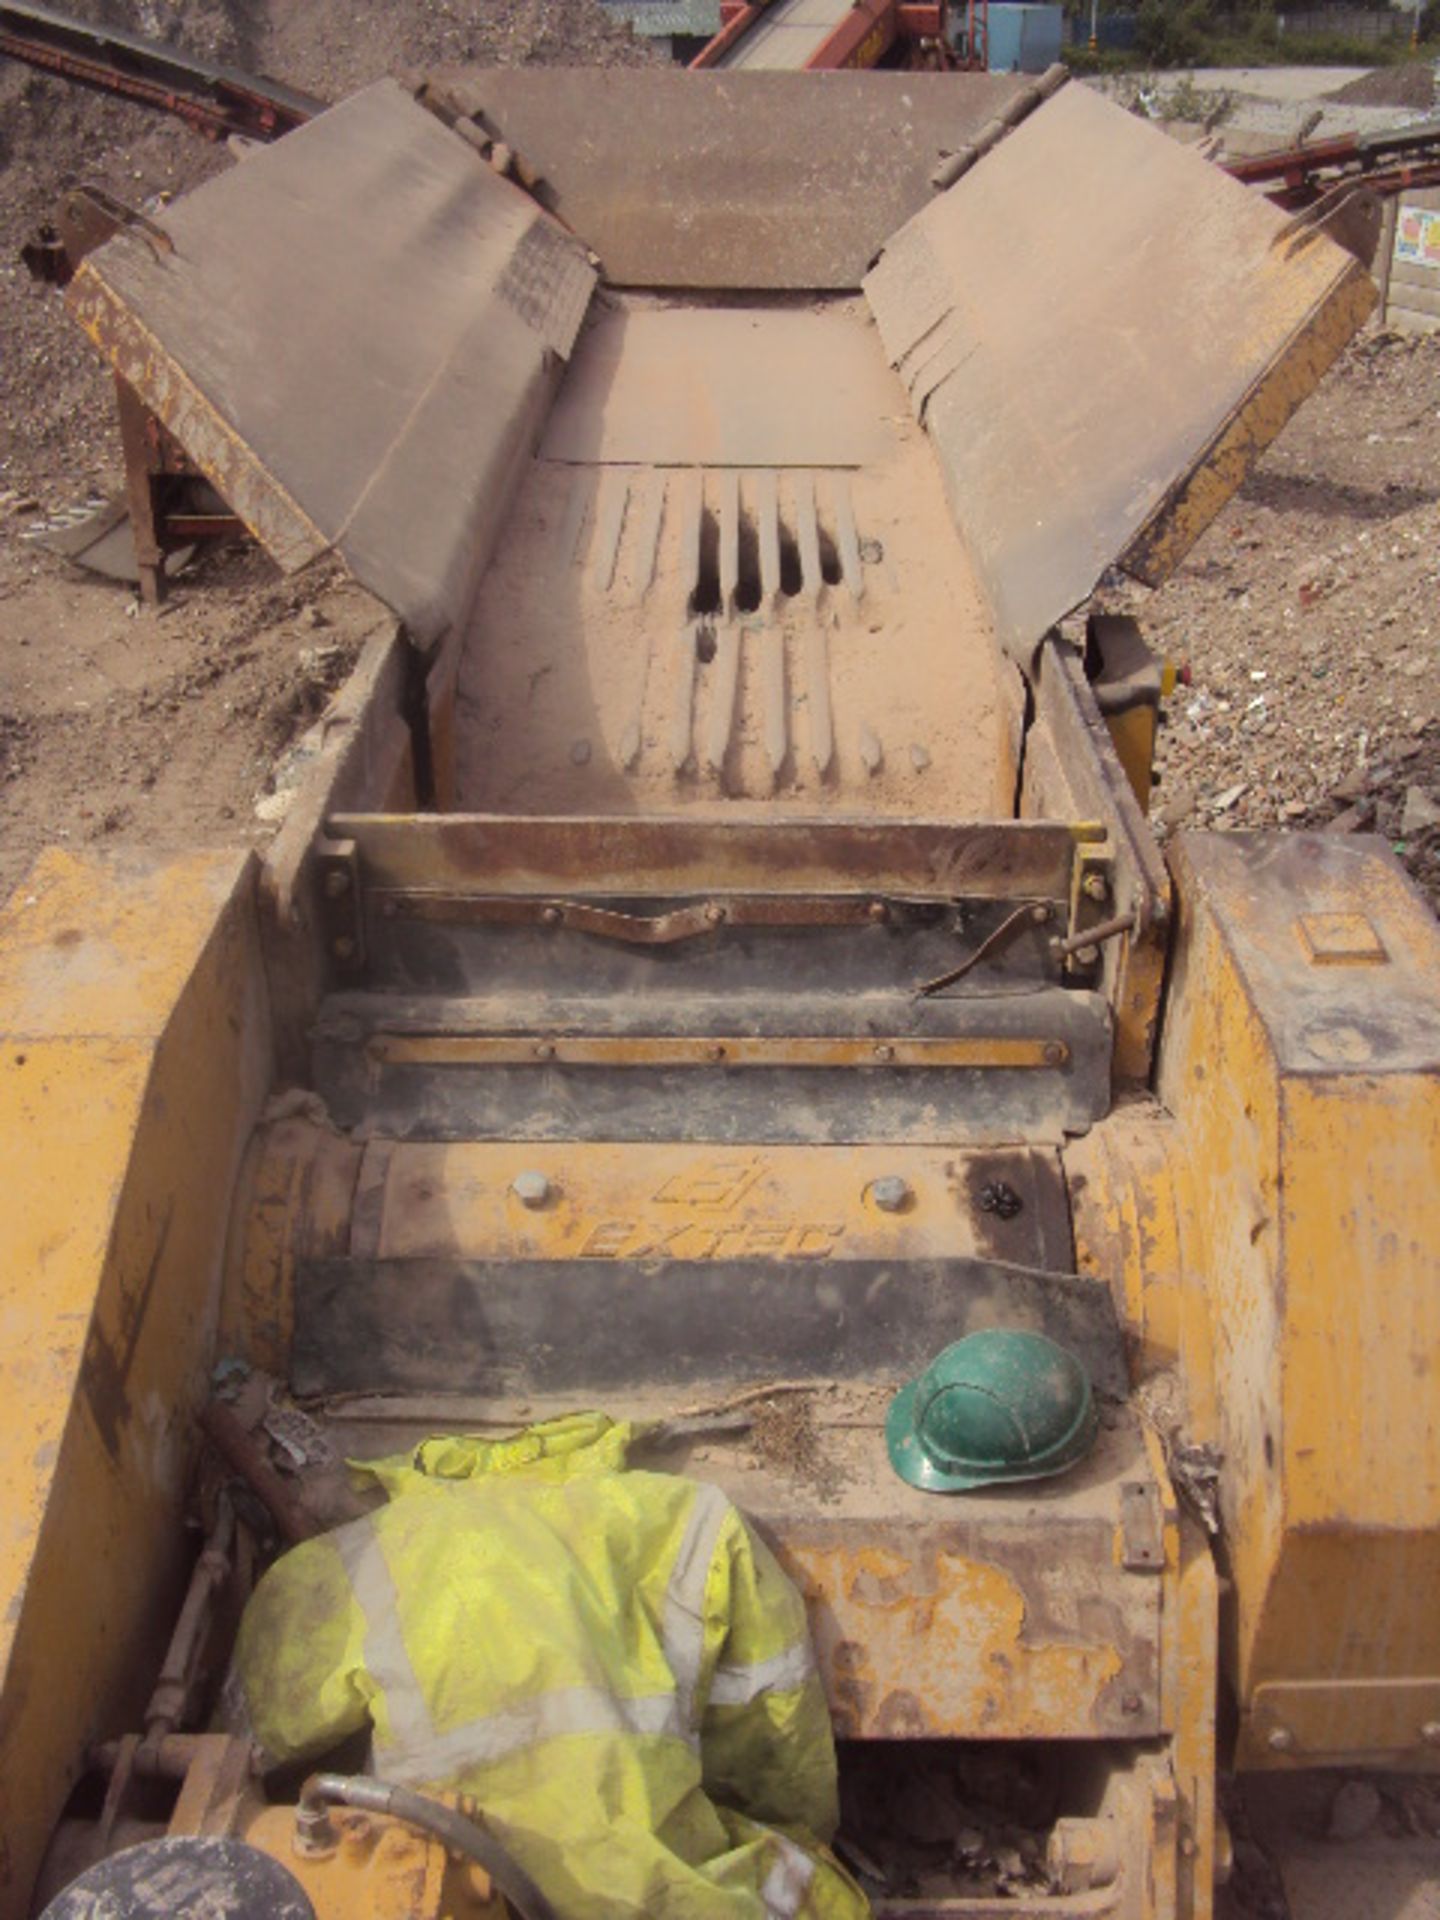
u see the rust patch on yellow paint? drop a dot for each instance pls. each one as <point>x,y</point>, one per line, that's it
<point>880,1618</point>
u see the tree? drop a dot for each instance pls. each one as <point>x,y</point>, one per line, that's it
<point>1171,33</point>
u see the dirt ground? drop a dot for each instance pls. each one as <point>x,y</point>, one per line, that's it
<point>117,722</point>
<point>56,432</point>
<point>1328,1845</point>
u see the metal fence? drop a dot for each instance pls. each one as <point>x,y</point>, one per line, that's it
<point>1353,23</point>
<point>1370,24</point>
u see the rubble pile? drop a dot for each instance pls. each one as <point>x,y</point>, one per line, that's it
<point>57,435</point>
<point>1307,622</point>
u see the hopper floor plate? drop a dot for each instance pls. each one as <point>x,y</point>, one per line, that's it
<point>731,574</point>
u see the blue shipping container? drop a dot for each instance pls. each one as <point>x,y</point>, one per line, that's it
<point>1025,39</point>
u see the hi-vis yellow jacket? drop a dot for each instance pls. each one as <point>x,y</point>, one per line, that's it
<point>609,1661</point>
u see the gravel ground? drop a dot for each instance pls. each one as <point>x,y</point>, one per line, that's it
<point>1307,621</point>
<point>1411,83</point>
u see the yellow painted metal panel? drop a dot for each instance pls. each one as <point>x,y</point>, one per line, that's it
<point>1190,1647</point>
<point>1302,1062</point>
<point>1218,1075</point>
<point>1349,1658</point>
<point>1362,1302</point>
<point>684,1202</point>
<point>1163,543</point>
<point>1009,1616</point>
<point>133,1055</point>
<point>734,1050</point>
<point>1394,1720</point>
<point>1136,1208</point>
<point>68,1111</point>
<point>881,1621</point>
<point>89,950</point>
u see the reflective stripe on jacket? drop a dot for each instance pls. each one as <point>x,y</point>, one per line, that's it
<point>609,1661</point>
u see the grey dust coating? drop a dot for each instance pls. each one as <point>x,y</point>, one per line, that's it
<point>430,307</point>
<point>518,1327</point>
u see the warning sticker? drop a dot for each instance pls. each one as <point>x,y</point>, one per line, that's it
<point>1417,236</point>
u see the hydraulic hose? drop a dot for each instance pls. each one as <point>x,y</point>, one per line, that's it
<point>454,1830</point>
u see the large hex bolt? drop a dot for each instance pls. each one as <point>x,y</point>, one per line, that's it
<point>1081,1854</point>
<point>890,1193</point>
<point>530,1188</point>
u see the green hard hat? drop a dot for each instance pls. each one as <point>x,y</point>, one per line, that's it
<point>999,1405</point>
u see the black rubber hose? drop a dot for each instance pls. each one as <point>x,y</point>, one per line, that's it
<point>452,1829</point>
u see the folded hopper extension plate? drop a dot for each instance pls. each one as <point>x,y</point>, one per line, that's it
<point>356,334</point>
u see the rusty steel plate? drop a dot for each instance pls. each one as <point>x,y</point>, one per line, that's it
<point>501,853</point>
<point>1101,331</point>
<point>1002,1615</point>
<point>753,180</point>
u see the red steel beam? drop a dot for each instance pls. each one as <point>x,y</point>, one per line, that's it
<point>923,21</point>
<point>862,39</point>
<point>215,100</point>
<point>735,28</point>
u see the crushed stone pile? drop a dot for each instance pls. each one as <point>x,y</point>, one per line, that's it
<point>1410,83</point>
<point>1308,622</point>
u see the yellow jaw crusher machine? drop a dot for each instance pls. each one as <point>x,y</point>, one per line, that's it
<point>715,974</point>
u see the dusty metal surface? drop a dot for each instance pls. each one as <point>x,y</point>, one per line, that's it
<point>393,440</point>
<point>509,981</point>
<point>135,1058</point>
<point>499,853</point>
<point>939,1630</point>
<point>1202,326</point>
<point>664,926</point>
<point>309,1192</point>
<point>96,536</point>
<point>1301,1059</point>
<point>215,100</point>
<point>780,180</point>
<point>400,441</point>
<point>729,507</point>
<point>860,980</point>
<point>1331,942</point>
<point>430,1199</point>
<point>660,385</point>
<point>1029,1065</point>
<point>553,998</point>
<point>599,1327</point>
<point>699,1050</point>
